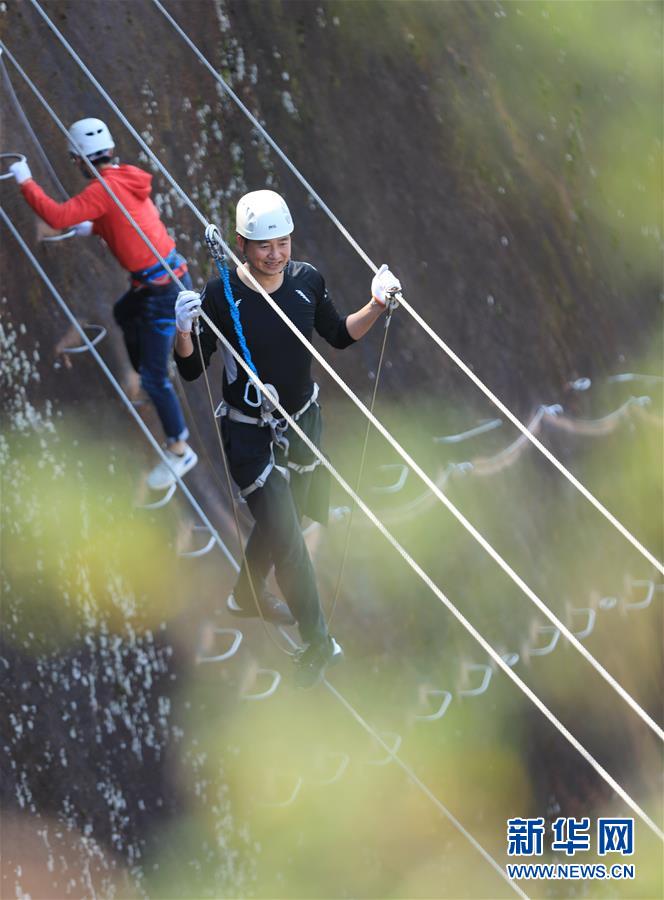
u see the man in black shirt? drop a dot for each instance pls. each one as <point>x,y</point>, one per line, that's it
<point>275,471</point>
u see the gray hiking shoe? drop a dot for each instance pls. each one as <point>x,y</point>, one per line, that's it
<point>312,661</point>
<point>274,610</point>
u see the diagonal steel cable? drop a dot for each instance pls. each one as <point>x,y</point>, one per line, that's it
<point>16,103</point>
<point>619,790</point>
<point>486,646</point>
<point>236,517</point>
<point>117,387</point>
<point>626,533</point>
<point>360,473</point>
<point>358,718</point>
<point>433,487</point>
<point>44,157</point>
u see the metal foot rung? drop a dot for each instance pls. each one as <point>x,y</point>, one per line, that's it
<point>222,657</point>
<point>82,348</point>
<point>263,695</point>
<point>487,672</point>
<point>550,646</point>
<point>445,700</point>
<point>162,501</point>
<point>398,484</point>
<point>192,554</point>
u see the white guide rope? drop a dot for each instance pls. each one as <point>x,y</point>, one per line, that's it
<point>497,658</point>
<point>409,772</point>
<point>409,309</point>
<point>117,387</point>
<point>433,487</point>
<point>418,570</point>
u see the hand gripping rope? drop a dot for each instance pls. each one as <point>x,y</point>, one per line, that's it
<point>409,309</point>
<point>268,399</point>
<point>453,609</point>
<point>456,359</point>
<point>384,531</point>
<point>377,424</point>
<point>409,772</point>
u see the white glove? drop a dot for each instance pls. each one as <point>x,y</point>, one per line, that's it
<point>21,171</point>
<point>383,285</point>
<point>187,308</point>
<point>83,229</point>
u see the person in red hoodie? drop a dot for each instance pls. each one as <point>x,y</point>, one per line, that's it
<point>145,313</point>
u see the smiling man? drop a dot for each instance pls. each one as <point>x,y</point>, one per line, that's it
<point>275,471</point>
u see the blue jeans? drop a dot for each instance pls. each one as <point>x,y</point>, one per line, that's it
<point>146,316</point>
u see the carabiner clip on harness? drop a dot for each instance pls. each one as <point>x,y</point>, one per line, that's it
<point>253,396</point>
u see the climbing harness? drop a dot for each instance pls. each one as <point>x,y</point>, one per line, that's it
<point>452,608</point>
<point>388,436</point>
<point>456,359</point>
<point>278,428</point>
<point>153,275</point>
<point>266,400</point>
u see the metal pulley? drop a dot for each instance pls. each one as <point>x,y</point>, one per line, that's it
<point>214,241</point>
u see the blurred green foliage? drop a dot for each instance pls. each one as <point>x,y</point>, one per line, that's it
<point>77,555</point>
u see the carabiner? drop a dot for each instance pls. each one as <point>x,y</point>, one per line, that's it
<point>258,401</point>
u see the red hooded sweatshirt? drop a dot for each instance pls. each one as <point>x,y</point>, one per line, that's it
<point>132,187</point>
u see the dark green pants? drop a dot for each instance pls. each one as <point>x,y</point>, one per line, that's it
<point>278,507</point>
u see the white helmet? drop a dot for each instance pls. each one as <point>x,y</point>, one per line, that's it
<point>91,138</point>
<point>262,215</point>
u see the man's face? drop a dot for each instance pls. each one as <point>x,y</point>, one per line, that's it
<point>267,257</point>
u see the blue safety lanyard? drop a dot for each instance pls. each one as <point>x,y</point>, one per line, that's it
<point>213,239</point>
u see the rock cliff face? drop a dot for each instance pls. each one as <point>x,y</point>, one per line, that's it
<point>472,146</point>
<point>503,158</point>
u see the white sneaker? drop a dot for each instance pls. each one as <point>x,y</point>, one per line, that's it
<point>161,477</point>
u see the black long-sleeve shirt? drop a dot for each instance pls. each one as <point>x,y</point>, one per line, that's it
<point>279,356</point>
